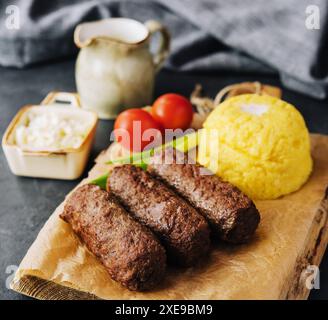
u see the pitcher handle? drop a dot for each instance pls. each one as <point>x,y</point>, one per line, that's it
<point>164,48</point>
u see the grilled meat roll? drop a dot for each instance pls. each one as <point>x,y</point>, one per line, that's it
<point>131,253</point>
<point>232,216</point>
<point>183,231</point>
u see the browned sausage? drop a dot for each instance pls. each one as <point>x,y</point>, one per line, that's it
<point>130,252</point>
<point>183,231</point>
<point>231,214</point>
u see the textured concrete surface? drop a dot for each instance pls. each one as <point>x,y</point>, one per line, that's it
<point>26,203</point>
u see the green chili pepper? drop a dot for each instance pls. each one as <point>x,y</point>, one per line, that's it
<point>183,144</point>
<point>101,181</point>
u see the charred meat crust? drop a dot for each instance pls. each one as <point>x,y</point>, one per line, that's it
<point>183,231</point>
<point>232,216</point>
<point>131,253</point>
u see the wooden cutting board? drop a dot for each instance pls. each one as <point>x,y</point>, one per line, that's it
<point>277,264</point>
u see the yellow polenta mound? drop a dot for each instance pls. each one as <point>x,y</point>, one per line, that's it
<point>258,143</point>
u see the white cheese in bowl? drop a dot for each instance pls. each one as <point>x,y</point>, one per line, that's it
<point>50,131</point>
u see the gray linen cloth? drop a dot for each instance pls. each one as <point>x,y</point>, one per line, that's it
<point>208,35</point>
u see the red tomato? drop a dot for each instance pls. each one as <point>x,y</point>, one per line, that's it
<point>173,111</point>
<point>135,129</point>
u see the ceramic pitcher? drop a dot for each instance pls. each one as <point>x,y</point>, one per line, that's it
<point>115,69</point>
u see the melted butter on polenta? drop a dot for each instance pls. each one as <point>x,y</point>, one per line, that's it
<point>258,143</point>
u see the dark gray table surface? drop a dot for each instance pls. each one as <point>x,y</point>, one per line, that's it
<point>26,203</point>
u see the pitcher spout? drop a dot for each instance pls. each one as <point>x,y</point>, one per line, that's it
<point>123,30</point>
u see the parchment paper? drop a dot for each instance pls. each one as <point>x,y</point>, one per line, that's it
<point>258,270</point>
